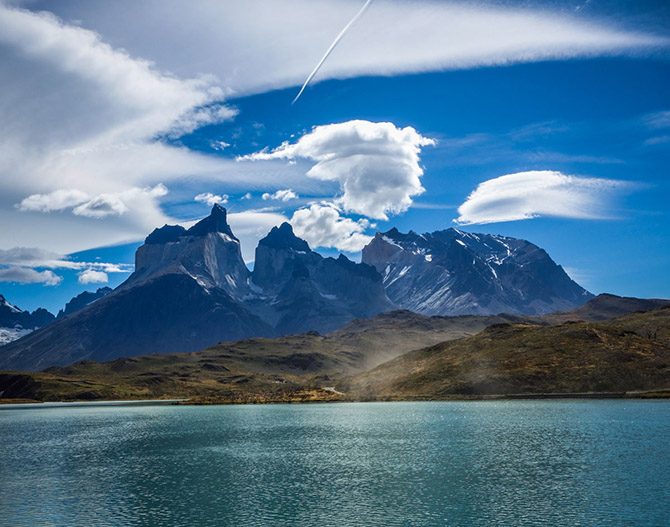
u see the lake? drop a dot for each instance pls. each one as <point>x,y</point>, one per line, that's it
<point>559,462</point>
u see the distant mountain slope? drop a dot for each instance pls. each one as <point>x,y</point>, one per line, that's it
<point>168,314</point>
<point>16,323</point>
<point>184,295</point>
<point>620,355</point>
<point>452,272</point>
<point>82,300</point>
<point>606,306</point>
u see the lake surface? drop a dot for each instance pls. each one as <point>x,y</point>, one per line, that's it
<point>600,463</point>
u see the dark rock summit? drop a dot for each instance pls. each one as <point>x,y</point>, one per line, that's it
<point>209,252</point>
<point>216,222</point>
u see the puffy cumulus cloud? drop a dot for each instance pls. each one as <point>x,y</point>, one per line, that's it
<point>281,195</point>
<point>376,164</point>
<point>26,275</point>
<point>211,199</point>
<point>321,225</point>
<point>537,193</point>
<point>91,276</point>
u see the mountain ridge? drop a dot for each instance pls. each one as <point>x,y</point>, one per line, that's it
<point>456,272</point>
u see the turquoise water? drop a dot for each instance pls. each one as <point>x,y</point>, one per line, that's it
<point>600,463</point>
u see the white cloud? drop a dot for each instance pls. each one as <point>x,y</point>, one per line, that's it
<point>27,255</point>
<point>248,195</point>
<point>26,275</point>
<point>126,73</point>
<point>36,257</point>
<point>102,155</point>
<point>657,120</point>
<point>538,193</point>
<point>321,225</point>
<point>393,36</point>
<point>212,199</point>
<point>375,164</point>
<point>53,201</point>
<point>90,276</point>
<point>219,145</point>
<point>82,204</point>
<point>159,102</point>
<point>101,206</point>
<point>281,195</point>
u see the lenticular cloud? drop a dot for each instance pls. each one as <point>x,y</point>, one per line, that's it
<point>532,194</point>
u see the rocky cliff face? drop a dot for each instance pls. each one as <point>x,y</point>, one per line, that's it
<point>209,252</point>
<point>452,272</point>
<point>308,291</point>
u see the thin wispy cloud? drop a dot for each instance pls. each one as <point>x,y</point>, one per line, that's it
<point>534,194</point>
<point>394,37</point>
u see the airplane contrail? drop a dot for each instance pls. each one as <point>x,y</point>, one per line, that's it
<point>331,48</point>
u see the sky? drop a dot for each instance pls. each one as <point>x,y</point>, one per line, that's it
<point>539,120</point>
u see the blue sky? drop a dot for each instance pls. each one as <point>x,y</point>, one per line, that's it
<point>597,118</point>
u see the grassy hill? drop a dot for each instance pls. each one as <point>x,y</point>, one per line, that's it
<point>398,355</point>
<point>630,353</point>
<point>288,368</point>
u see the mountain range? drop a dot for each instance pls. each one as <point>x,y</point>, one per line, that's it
<point>191,289</point>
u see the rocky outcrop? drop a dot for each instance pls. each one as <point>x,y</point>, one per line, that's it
<point>310,292</point>
<point>82,300</point>
<point>209,252</point>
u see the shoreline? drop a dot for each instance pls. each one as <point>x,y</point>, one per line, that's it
<point>633,395</point>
